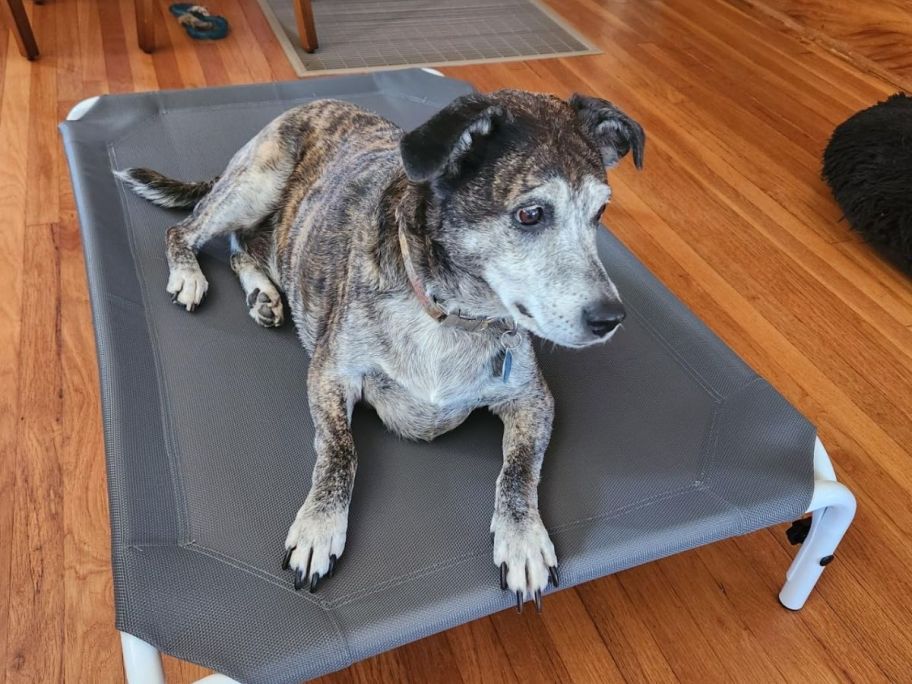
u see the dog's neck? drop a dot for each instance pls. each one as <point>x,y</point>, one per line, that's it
<point>449,294</point>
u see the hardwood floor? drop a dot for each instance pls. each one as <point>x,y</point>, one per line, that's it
<point>730,213</point>
<point>876,36</point>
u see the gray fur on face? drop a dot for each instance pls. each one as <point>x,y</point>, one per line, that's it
<point>316,205</point>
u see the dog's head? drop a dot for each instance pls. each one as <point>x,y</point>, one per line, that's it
<point>518,185</point>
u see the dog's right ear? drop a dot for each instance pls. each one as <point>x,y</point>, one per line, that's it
<point>437,147</point>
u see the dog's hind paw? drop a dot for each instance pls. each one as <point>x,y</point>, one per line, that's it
<point>187,286</point>
<point>314,544</point>
<point>265,306</point>
<point>525,556</point>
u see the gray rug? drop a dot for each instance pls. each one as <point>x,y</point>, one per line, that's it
<point>368,35</point>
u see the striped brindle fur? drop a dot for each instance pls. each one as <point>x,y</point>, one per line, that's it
<point>497,199</point>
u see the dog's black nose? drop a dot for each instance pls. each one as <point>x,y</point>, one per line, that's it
<point>604,316</point>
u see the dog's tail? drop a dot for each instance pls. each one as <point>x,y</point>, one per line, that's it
<point>163,191</point>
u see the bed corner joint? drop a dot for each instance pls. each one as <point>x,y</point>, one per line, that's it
<point>832,509</point>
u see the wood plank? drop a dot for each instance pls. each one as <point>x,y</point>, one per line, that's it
<point>680,638</point>
<point>874,36</point>
<point>37,580</point>
<point>118,73</point>
<point>530,649</point>
<point>622,626</point>
<point>142,66</point>
<point>42,169</point>
<point>480,655</point>
<point>729,631</point>
<point>13,145</point>
<point>89,591</point>
<point>572,632</point>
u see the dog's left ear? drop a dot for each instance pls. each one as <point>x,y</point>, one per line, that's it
<point>437,147</point>
<point>613,131</point>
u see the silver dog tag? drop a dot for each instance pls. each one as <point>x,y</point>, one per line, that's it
<point>508,340</point>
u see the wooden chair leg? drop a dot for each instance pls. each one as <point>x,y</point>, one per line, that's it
<point>145,24</point>
<point>307,32</point>
<point>15,17</point>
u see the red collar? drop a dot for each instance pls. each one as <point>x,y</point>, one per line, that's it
<point>433,307</point>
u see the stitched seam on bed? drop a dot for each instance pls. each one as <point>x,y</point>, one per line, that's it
<point>426,571</point>
<point>442,565</point>
<point>708,447</point>
<point>162,110</point>
<point>119,298</point>
<point>709,461</point>
<point>182,509</point>
<point>711,464</point>
<point>629,508</point>
<point>455,561</point>
<point>286,103</point>
<point>684,363</point>
<point>438,567</point>
<point>258,572</point>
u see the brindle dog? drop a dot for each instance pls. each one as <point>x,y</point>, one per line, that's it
<point>415,266</point>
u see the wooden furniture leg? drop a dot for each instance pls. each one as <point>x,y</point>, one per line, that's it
<point>145,24</point>
<point>15,17</point>
<point>307,32</point>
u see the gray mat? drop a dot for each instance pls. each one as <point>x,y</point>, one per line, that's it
<point>368,35</point>
<point>664,439</point>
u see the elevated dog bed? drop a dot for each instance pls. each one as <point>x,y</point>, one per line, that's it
<point>664,439</point>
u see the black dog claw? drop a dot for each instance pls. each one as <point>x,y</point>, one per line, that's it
<point>310,555</point>
<point>299,580</point>
<point>538,605</point>
<point>552,574</point>
<point>332,565</point>
<point>314,581</point>
<point>503,576</point>
<point>519,601</point>
<point>286,559</point>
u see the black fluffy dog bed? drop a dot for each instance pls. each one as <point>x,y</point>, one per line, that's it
<point>868,166</point>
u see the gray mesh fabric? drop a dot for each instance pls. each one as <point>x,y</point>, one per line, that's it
<point>664,440</point>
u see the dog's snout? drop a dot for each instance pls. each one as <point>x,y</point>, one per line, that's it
<point>604,316</point>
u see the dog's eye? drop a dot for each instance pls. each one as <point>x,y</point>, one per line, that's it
<point>529,216</point>
<point>598,214</point>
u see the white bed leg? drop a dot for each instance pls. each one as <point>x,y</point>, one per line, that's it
<point>832,509</point>
<point>142,661</point>
<point>142,664</point>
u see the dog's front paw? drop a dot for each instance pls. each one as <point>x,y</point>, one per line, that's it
<point>525,556</point>
<point>187,285</point>
<point>314,543</point>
